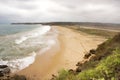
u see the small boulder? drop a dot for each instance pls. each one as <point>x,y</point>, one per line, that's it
<point>7,70</point>
<point>92,57</point>
<point>92,51</point>
<point>3,66</point>
<point>1,74</point>
<point>54,76</point>
<point>79,64</point>
<point>86,56</point>
<point>71,71</point>
<point>4,70</point>
<point>78,69</point>
<point>100,57</point>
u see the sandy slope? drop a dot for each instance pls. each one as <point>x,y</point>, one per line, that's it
<point>73,46</point>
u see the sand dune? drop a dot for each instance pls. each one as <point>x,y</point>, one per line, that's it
<point>73,46</point>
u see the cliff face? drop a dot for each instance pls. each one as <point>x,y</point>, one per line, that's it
<point>104,50</point>
<point>107,47</point>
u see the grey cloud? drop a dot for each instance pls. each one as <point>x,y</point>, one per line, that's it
<point>60,10</point>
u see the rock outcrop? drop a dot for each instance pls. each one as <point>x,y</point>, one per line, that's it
<point>4,70</point>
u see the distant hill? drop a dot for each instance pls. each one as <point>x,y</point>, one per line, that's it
<point>86,24</point>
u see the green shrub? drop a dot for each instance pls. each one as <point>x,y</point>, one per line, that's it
<point>107,68</point>
<point>62,75</point>
<point>65,75</point>
<point>104,70</point>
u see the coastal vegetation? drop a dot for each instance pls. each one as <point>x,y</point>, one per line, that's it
<point>100,64</point>
<point>104,65</point>
<point>94,31</point>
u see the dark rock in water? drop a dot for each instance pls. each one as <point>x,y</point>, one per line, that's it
<point>87,55</point>
<point>1,74</point>
<point>4,70</point>
<point>7,70</point>
<point>18,77</point>
<point>3,66</point>
<point>92,51</point>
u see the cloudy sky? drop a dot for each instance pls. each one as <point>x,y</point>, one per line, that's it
<point>59,10</point>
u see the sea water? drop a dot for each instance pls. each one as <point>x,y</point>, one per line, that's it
<point>19,44</point>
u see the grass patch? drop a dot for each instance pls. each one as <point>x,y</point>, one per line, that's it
<point>105,66</point>
<point>107,69</point>
<point>98,32</point>
<point>65,75</point>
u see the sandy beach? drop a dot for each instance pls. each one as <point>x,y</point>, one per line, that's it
<point>72,47</point>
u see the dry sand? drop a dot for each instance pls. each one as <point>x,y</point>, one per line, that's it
<point>73,46</point>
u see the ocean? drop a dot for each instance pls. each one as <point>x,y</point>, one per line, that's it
<point>19,44</point>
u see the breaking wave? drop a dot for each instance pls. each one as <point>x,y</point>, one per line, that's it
<point>19,50</point>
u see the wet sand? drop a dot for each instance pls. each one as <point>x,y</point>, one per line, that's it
<point>71,48</point>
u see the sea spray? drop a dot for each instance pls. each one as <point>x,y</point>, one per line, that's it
<point>35,33</point>
<point>18,50</point>
<point>19,64</point>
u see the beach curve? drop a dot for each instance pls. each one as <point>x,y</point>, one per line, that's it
<point>73,46</point>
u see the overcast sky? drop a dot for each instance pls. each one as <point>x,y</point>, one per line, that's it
<point>59,10</point>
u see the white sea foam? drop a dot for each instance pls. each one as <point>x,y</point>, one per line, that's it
<point>33,40</point>
<point>19,64</point>
<point>50,43</point>
<point>35,33</point>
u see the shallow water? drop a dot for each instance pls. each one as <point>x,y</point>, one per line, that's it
<point>19,44</point>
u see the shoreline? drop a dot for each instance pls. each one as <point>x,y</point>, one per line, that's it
<point>70,52</point>
<point>42,60</point>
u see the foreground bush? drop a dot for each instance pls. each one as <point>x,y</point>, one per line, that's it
<point>107,69</point>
